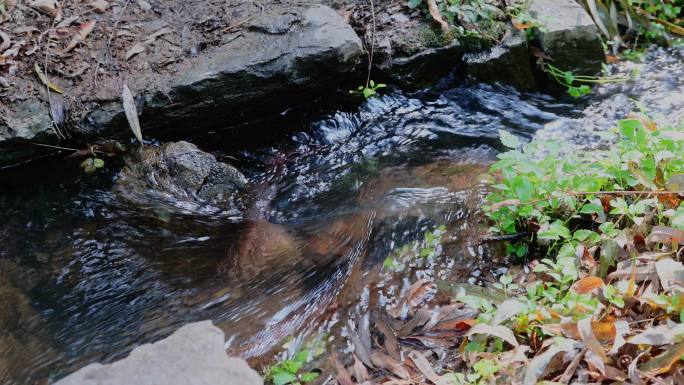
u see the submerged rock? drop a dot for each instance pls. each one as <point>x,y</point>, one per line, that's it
<point>567,33</point>
<point>180,171</point>
<point>193,355</point>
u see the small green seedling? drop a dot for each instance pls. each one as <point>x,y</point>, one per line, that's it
<point>290,371</point>
<point>369,90</point>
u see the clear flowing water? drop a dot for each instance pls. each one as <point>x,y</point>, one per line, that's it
<point>86,276</point>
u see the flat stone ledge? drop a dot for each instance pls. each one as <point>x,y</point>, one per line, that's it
<point>193,355</point>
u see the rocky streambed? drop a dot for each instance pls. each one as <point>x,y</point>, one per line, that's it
<point>284,235</point>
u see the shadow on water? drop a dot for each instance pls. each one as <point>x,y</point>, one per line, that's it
<point>86,276</point>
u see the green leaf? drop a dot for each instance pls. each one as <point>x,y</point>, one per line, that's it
<point>633,130</point>
<point>283,378</point>
<point>554,231</point>
<point>591,208</point>
<point>609,252</point>
<point>414,3</point>
<point>677,221</point>
<point>309,376</point>
<point>367,92</point>
<point>568,77</point>
<point>582,234</point>
<point>574,92</point>
<point>509,140</point>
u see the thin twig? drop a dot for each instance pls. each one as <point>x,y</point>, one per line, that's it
<point>52,146</point>
<point>370,54</point>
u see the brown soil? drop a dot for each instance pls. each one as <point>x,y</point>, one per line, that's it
<point>141,43</point>
<point>146,43</point>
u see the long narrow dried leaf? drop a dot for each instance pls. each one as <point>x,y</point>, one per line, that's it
<point>131,112</point>
<point>343,376</point>
<point>386,362</point>
<point>536,368</point>
<point>572,368</point>
<point>390,337</point>
<point>659,335</point>
<point>664,234</point>
<point>593,9</point>
<point>604,331</point>
<point>662,363</point>
<point>83,31</point>
<point>587,334</point>
<point>509,308</point>
<point>671,273</point>
<point>423,365</point>
<point>44,79</point>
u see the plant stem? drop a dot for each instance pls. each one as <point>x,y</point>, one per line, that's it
<point>370,55</point>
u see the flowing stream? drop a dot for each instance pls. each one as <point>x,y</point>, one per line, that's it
<point>86,276</point>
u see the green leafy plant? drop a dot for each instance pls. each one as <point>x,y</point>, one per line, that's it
<point>542,191</point>
<point>90,165</point>
<point>369,90</point>
<point>291,371</point>
<point>506,284</point>
<point>578,85</point>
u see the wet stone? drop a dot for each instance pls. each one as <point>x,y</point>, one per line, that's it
<point>507,62</point>
<point>567,33</point>
<point>181,171</point>
<point>193,355</point>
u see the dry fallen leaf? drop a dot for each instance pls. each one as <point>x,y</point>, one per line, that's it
<point>662,363</point>
<point>80,36</point>
<point>538,365</point>
<point>604,331</point>
<point>136,49</point>
<point>587,284</point>
<point>671,273</point>
<point>664,234</point>
<point>99,6</point>
<point>140,47</point>
<point>131,112</point>
<point>44,79</point>
<point>384,361</point>
<point>586,332</point>
<point>48,7</point>
<point>497,331</point>
<point>343,376</point>
<point>658,335</point>
<point>423,365</point>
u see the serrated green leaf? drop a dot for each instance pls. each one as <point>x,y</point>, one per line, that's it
<point>509,140</point>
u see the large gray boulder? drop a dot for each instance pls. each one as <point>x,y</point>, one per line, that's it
<point>567,34</point>
<point>193,355</point>
<point>281,52</point>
